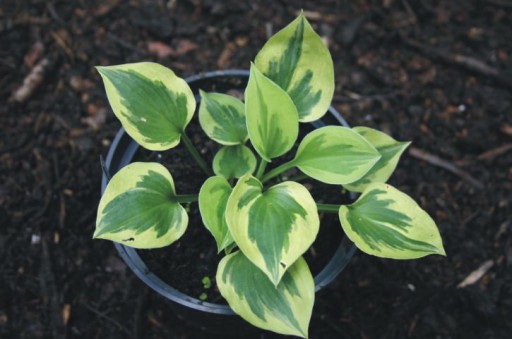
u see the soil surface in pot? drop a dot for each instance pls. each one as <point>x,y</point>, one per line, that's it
<point>56,282</point>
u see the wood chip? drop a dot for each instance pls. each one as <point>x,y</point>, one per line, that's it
<point>34,55</point>
<point>64,41</point>
<point>477,274</point>
<point>507,129</point>
<point>3,318</point>
<point>66,312</point>
<point>31,82</point>
<point>318,16</point>
<point>105,7</point>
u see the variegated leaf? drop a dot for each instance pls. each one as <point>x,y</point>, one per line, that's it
<point>234,161</point>
<point>390,151</point>
<point>152,103</point>
<point>285,309</point>
<point>335,155</point>
<point>297,60</point>
<point>272,118</point>
<point>222,118</point>
<point>274,227</point>
<point>138,208</point>
<point>213,198</point>
<point>388,223</point>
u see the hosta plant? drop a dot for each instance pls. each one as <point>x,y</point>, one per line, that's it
<point>262,223</point>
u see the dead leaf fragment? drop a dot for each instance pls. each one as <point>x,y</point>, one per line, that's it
<point>225,56</point>
<point>160,49</point>
<point>163,50</point>
<point>96,119</point>
<point>185,46</point>
<point>80,84</point>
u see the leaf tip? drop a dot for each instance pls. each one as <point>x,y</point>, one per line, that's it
<point>276,276</point>
<point>97,233</point>
<point>441,251</point>
<point>101,69</point>
<point>438,250</point>
<point>255,69</point>
<point>406,144</point>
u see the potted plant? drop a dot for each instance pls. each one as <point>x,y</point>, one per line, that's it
<point>262,220</point>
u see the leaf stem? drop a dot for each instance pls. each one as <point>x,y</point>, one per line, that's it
<point>195,154</point>
<point>184,198</point>
<point>299,177</point>
<point>278,170</point>
<point>261,168</point>
<point>330,208</point>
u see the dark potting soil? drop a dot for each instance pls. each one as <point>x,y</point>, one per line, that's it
<point>185,263</point>
<point>56,282</point>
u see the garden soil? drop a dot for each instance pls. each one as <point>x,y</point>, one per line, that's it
<point>433,72</point>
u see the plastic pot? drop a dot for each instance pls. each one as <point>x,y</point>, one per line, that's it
<point>208,316</point>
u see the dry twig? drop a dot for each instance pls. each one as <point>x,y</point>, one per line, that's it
<point>495,152</point>
<point>104,316</point>
<point>469,63</point>
<point>49,291</point>
<point>500,3</point>
<point>437,161</point>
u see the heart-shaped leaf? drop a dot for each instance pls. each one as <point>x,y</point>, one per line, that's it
<point>274,227</point>
<point>284,309</point>
<point>388,223</point>
<point>234,161</point>
<point>390,151</point>
<point>297,60</point>
<point>138,208</point>
<point>272,118</point>
<point>152,103</point>
<point>222,118</point>
<point>335,155</point>
<point>213,198</point>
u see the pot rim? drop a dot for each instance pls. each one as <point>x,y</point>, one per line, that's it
<point>122,140</point>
